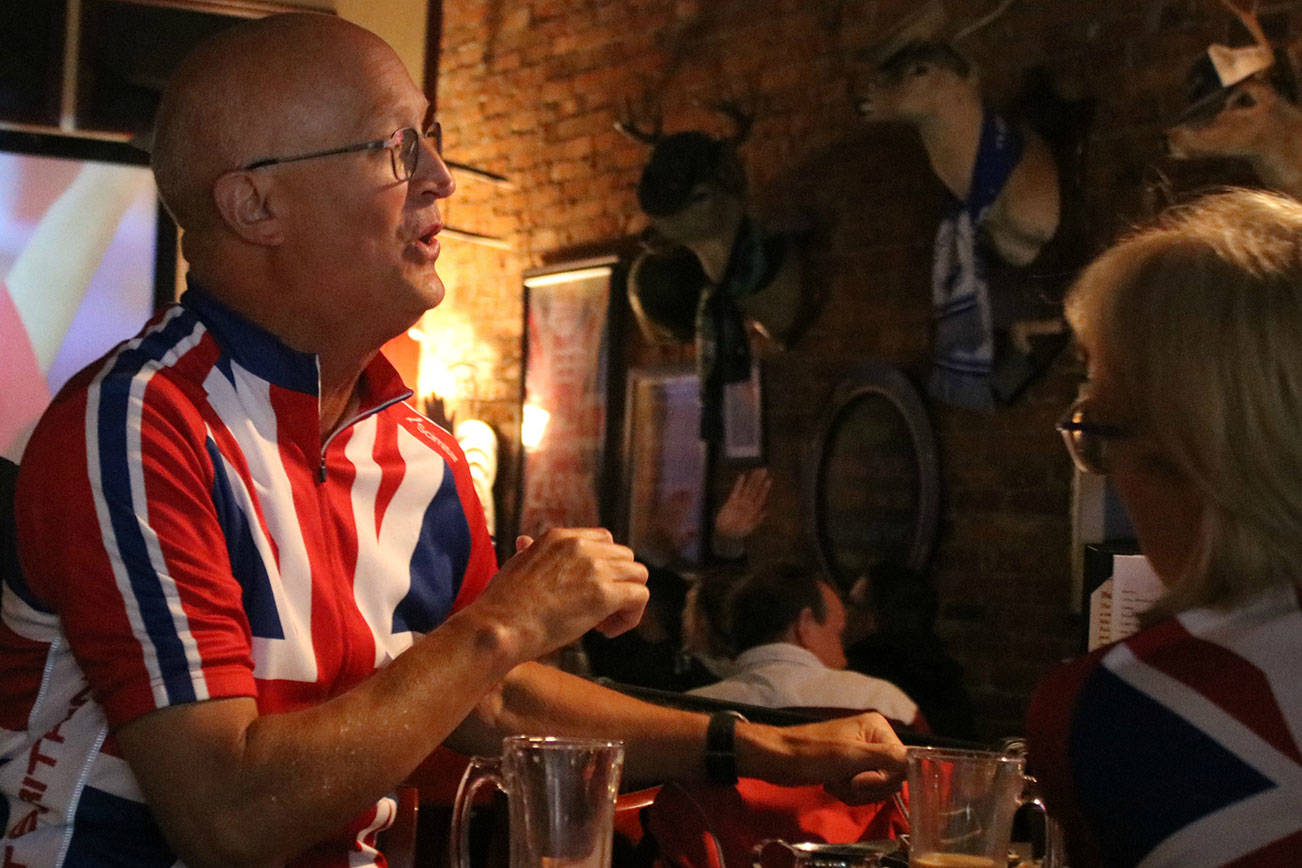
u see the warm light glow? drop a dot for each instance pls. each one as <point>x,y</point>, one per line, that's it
<point>455,364</point>
<point>533,426</point>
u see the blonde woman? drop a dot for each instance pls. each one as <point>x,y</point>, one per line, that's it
<point>1182,745</point>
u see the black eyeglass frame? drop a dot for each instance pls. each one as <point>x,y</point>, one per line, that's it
<point>393,143</point>
<point>1074,429</point>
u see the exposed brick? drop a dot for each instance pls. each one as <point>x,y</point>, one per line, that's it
<point>531,89</point>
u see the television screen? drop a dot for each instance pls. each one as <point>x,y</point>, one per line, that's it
<point>86,255</point>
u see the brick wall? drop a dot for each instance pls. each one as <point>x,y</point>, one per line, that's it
<point>530,89</point>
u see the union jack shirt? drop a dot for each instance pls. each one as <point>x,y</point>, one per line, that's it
<point>186,534</point>
<point>1179,746</point>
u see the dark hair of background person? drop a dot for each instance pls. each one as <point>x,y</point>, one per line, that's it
<point>650,655</point>
<point>905,650</point>
<point>763,607</point>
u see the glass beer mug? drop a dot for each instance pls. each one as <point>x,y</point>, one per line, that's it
<point>561,796</point>
<point>961,806</point>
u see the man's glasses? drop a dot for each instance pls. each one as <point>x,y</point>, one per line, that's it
<point>1088,443</point>
<point>403,147</point>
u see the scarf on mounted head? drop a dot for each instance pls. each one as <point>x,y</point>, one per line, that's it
<point>963,343</point>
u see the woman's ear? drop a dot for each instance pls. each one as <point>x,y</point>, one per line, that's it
<point>243,200</point>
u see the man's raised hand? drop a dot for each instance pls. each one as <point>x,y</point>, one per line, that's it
<point>563,584</point>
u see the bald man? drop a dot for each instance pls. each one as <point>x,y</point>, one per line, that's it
<point>259,590</point>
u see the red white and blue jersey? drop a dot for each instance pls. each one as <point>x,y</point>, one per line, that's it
<point>185,534</point>
<point>1180,745</point>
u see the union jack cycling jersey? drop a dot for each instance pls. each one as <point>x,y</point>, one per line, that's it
<point>185,534</point>
<point>1179,746</point>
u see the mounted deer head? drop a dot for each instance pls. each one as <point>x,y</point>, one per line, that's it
<point>921,79</point>
<point>694,190</point>
<point>1244,105</point>
<point>694,185</point>
<point>1006,186</point>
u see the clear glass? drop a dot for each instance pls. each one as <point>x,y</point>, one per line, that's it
<point>561,793</point>
<point>961,806</point>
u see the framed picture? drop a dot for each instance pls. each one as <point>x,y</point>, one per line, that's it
<point>566,397</point>
<point>664,465</point>
<point>743,418</point>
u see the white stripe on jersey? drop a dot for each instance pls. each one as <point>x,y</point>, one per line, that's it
<point>95,473</point>
<point>246,411</point>
<point>388,553</point>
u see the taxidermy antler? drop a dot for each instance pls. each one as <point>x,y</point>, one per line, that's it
<point>1252,116</point>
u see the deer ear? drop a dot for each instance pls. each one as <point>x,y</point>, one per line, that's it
<point>244,202</point>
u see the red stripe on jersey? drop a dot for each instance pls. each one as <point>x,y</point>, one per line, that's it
<point>20,677</point>
<point>178,478</point>
<point>1236,685</point>
<point>385,453</point>
<point>348,625</point>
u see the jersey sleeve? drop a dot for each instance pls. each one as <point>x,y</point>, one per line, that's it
<point>119,535</point>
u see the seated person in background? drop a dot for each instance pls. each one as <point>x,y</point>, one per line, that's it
<point>787,626</point>
<point>899,607</point>
<point>260,591</point>
<point>659,653</point>
<point>705,617</point>
<point>1182,744</point>
<point>651,655</point>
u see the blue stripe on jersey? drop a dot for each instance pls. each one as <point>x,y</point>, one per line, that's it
<point>246,561</point>
<point>438,563</point>
<point>1135,792</point>
<point>125,515</point>
<point>256,350</point>
<point>112,831</point>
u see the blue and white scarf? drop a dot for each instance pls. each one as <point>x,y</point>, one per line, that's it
<point>963,343</point>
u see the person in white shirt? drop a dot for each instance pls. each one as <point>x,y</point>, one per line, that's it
<point>786,625</point>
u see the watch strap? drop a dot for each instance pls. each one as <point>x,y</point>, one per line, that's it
<point>720,747</point>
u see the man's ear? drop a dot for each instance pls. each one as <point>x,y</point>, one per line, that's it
<point>243,200</point>
<point>805,627</point>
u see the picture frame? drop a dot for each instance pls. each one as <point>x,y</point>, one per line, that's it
<point>570,380</point>
<point>743,418</point>
<point>665,466</point>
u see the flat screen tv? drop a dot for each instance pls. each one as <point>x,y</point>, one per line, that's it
<point>86,255</point>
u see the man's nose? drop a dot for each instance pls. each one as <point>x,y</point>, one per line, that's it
<point>432,173</point>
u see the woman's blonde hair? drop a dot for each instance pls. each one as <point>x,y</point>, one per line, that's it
<point>1199,318</point>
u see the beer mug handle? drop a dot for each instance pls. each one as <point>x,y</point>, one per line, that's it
<point>1055,851</point>
<point>480,771</point>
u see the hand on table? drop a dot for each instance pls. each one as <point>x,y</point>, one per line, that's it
<point>857,759</point>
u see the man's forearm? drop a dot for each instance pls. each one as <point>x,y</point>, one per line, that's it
<point>859,758</point>
<point>661,742</point>
<point>229,786</point>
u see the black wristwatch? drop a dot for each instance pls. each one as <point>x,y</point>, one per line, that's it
<point>720,748</point>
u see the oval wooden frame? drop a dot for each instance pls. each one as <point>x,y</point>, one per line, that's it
<point>873,378</point>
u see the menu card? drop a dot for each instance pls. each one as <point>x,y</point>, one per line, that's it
<point>1115,605</point>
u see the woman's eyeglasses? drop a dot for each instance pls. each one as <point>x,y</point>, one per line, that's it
<point>1088,443</point>
<point>403,146</point>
